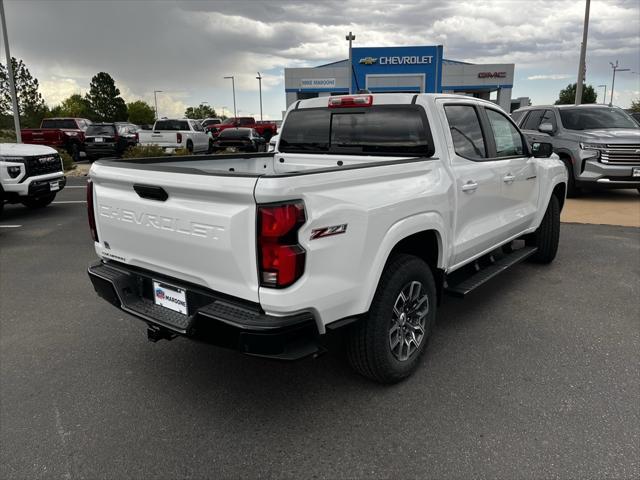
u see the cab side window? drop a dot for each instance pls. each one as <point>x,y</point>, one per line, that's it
<point>466,132</point>
<point>507,137</point>
<point>549,117</point>
<point>533,120</point>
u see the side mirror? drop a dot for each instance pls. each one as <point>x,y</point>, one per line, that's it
<point>546,128</point>
<point>541,149</point>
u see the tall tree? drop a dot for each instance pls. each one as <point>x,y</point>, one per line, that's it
<point>201,111</point>
<point>635,105</point>
<point>31,106</point>
<point>74,106</point>
<point>104,98</point>
<point>567,96</point>
<point>141,113</point>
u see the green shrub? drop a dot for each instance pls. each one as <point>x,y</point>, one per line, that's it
<point>141,151</point>
<point>67,161</point>
<point>182,151</point>
<point>8,136</point>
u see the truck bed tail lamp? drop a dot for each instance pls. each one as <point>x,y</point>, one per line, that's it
<point>351,101</point>
<point>179,137</point>
<point>137,137</point>
<point>91,212</point>
<point>280,258</point>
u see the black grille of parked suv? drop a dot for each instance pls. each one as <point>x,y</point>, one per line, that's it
<point>42,164</point>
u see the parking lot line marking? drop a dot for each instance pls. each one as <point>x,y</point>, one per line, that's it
<point>10,226</point>
<point>70,201</point>
<point>75,186</point>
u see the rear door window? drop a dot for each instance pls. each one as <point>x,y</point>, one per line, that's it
<point>466,133</point>
<point>379,130</point>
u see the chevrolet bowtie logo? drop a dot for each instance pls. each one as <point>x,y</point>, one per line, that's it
<point>368,61</point>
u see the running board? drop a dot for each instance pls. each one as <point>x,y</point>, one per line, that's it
<point>487,273</point>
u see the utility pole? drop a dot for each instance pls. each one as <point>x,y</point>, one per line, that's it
<point>583,53</point>
<point>259,78</point>
<point>155,99</point>
<point>613,81</point>
<point>233,86</point>
<point>351,37</point>
<point>12,85</point>
<point>604,98</point>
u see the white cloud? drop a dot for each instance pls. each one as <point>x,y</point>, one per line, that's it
<point>550,76</point>
<point>54,89</point>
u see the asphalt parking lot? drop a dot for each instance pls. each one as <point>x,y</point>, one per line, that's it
<point>534,376</point>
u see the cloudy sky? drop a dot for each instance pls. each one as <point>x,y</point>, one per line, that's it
<point>185,48</point>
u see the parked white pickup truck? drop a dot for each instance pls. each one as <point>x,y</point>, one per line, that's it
<point>372,208</point>
<point>171,134</point>
<point>29,174</point>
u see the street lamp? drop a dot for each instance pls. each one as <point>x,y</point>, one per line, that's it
<point>259,78</point>
<point>604,98</point>
<point>350,38</point>
<point>233,86</point>
<point>155,99</point>
<point>613,82</point>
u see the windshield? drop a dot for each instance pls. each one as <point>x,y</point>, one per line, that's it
<point>171,125</point>
<point>595,118</point>
<point>235,133</point>
<point>381,130</point>
<point>59,123</point>
<point>100,130</point>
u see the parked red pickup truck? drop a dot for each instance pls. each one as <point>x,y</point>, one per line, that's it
<point>265,129</point>
<point>66,133</point>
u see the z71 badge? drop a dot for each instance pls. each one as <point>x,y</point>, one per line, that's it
<point>328,231</point>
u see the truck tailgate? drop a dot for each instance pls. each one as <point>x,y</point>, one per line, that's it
<point>203,233</point>
<point>162,139</point>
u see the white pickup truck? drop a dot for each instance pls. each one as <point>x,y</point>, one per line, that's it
<point>372,208</point>
<point>171,134</point>
<point>29,174</point>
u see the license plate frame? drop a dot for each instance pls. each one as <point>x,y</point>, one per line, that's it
<point>54,186</point>
<point>98,140</point>
<point>170,297</point>
<point>635,172</point>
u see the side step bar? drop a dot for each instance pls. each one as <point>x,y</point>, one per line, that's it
<point>487,273</point>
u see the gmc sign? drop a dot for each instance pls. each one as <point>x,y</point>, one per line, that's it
<point>492,75</point>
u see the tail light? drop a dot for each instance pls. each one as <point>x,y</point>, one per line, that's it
<point>91,212</point>
<point>179,137</point>
<point>351,101</point>
<point>137,137</point>
<point>280,257</point>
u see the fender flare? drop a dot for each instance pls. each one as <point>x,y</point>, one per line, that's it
<point>556,180</point>
<point>403,228</point>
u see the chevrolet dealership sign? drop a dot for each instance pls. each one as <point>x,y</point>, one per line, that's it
<point>397,60</point>
<point>317,83</point>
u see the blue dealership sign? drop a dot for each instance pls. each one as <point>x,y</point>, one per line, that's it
<point>397,69</point>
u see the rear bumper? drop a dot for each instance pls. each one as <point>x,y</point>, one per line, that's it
<point>213,317</point>
<point>102,150</point>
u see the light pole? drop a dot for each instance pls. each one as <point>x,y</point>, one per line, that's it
<point>259,78</point>
<point>155,99</point>
<point>583,53</point>
<point>223,110</point>
<point>12,86</point>
<point>350,38</point>
<point>613,81</point>
<point>604,98</point>
<point>233,86</point>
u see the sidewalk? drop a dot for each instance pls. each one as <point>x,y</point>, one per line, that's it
<point>613,207</point>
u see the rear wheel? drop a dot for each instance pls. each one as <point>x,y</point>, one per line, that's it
<point>190,146</point>
<point>39,202</point>
<point>386,346</point>
<point>74,151</point>
<point>547,236</point>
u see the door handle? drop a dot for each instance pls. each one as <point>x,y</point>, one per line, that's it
<point>470,186</point>
<point>508,178</point>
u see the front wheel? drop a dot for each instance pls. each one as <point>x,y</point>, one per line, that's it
<point>74,151</point>
<point>39,202</point>
<point>547,236</point>
<point>386,346</point>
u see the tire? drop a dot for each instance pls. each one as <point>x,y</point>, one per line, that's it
<point>39,202</point>
<point>547,236</point>
<point>190,146</point>
<point>370,346</point>
<point>210,149</point>
<point>572,189</point>
<point>74,151</point>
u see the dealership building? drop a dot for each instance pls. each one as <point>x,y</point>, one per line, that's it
<point>406,70</point>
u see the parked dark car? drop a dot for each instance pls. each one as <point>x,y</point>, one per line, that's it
<point>240,139</point>
<point>110,139</point>
<point>210,121</point>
